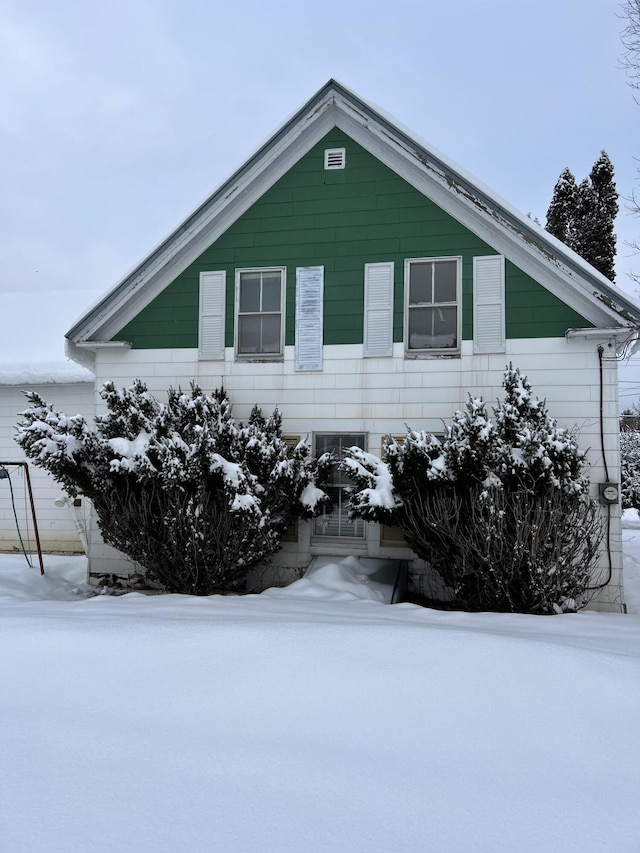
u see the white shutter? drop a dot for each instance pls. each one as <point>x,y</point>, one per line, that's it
<point>488,304</point>
<point>309,296</point>
<point>212,304</point>
<point>378,309</point>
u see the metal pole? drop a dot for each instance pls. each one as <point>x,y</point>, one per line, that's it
<point>33,509</point>
<point>33,515</point>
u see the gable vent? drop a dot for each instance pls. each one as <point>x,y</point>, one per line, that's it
<point>335,158</point>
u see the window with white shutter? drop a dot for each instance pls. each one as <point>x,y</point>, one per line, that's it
<point>309,318</point>
<point>378,309</point>
<point>212,305</point>
<point>488,304</point>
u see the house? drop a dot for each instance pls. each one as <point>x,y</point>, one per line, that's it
<point>360,281</point>
<point>60,524</point>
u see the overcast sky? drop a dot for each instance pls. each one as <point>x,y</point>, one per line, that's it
<point>117,119</point>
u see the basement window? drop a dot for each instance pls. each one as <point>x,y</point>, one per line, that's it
<point>335,158</point>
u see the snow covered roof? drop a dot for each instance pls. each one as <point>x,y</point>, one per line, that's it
<point>526,244</point>
<point>43,373</point>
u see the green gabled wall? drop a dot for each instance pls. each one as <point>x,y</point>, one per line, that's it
<point>341,219</point>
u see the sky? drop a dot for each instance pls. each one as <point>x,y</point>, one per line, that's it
<point>117,120</point>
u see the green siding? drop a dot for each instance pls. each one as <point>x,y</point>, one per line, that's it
<point>341,219</point>
<point>532,312</point>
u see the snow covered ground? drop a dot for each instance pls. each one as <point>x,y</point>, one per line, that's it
<point>312,719</point>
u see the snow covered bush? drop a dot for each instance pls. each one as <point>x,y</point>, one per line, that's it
<point>499,508</point>
<point>630,468</point>
<point>192,497</point>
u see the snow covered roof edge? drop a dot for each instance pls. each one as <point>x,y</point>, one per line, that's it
<point>43,373</point>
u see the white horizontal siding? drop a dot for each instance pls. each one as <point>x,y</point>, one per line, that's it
<point>378,396</point>
<point>560,372</point>
<point>55,524</point>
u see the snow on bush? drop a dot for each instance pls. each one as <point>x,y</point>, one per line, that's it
<point>500,508</point>
<point>630,468</point>
<point>192,497</point>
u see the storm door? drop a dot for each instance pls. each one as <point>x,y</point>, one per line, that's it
<point>334,521</point>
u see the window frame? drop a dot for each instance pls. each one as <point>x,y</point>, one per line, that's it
<point>427,351</point>
<point>259,356</point>
<point>320,537</point>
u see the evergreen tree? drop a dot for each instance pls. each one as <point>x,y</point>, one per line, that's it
<point>583,216</point>
<point>603,247</point>
<point>585,220</point>
<point>499,509</point>
<point>630,468</point>
<point>192,497</point>
<point>560,216</point>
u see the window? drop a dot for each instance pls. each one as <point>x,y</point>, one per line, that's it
<point>334,520</point>
<point>259,326</point>
<point>432,288</point>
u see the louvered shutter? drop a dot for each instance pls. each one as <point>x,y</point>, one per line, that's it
<point>488,304</point>
<point>309,295</point>
<point>378,309</point>
<point>212,305</point>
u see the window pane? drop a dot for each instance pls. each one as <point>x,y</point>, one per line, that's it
<point>445,285</point>
<point>341,477</point>
<point>249,291</point>
<point>328,444</point>
<point>334,520</point>
<point>249,333</point>
<point>445,323</point>
<point>433,328</point>
<point>271,292</point>
<point>270,333</point>
<point>420,287</point>
<point>328,522</point>
<point>350,440</point>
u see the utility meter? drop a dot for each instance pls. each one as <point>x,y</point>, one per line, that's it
<point>609,493</point>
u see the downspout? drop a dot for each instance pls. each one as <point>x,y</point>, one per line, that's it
<point>606,474</point>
